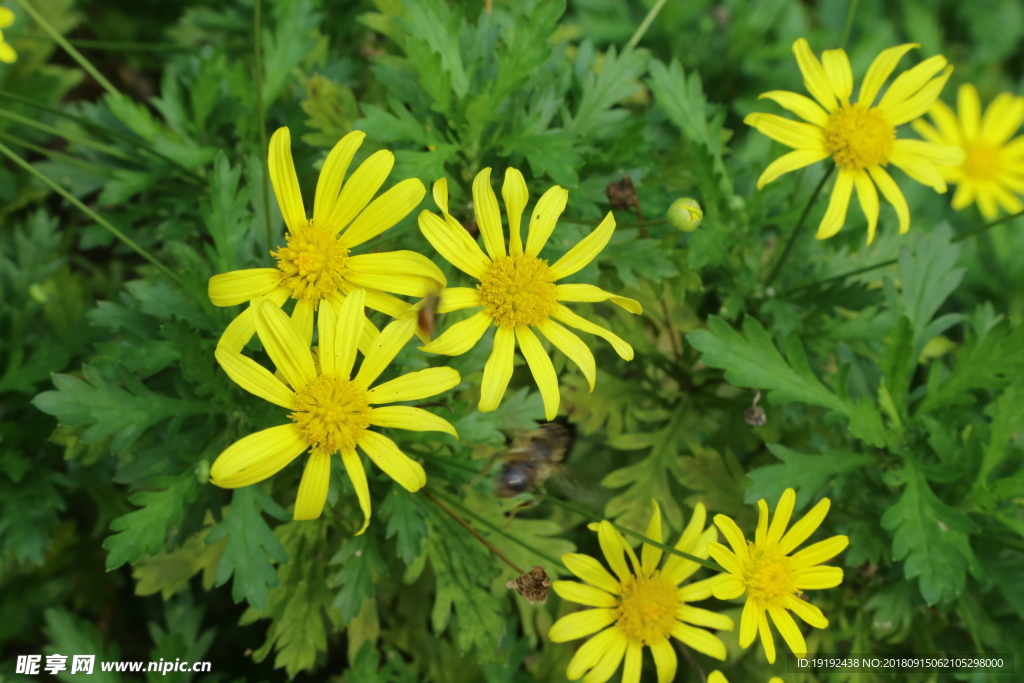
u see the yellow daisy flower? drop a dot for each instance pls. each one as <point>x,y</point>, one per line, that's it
<point>859,137</point>
<point>332,411</point>
<point>993,172</point>
<point>7,53</point>
<point>717,676</point>
<point>643,606</point>
<point>773,579</point>
<point>517,289</point>
<point>317,263</point>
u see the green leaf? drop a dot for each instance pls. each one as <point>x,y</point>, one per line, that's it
<point>930,537</point>
<point>434,22</point>
<point>251,548</point>
<point>807,473</point>
<point>634,258</point>
<point>1007,413</point>
<point>405,514</point>
<point>359,559</point>
<point>892,609</point>
<point>899,364</point>
<point>168,573</point>
<point>551,153</point>
<point>143,531</point>
<point>110,409</point>
<point>332,110</point>
<point>927,278</point>
<point>227,214</point>
<point>68,635</point>
<point>293,37</point>
<point>615,80</point>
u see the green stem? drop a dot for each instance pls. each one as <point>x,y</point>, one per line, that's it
<point>650,541</point>
<point>85,142</point>
<point>476,534</point>
<point>118,46</point>
<point>257,36</point>
<point>619,224</point>
<point>644,25</point>
<point>60,40</point>
<point>88,212</point>
<point>493,527</point>
<point>848,26</point>
<point>987,226</point>
<point>799,226</point>
<point>54,154</point>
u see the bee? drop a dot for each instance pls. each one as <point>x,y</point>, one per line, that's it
<point>425,316</point>
<point>532,459</point>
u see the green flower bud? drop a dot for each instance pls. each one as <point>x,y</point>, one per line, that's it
<point>685,214</point>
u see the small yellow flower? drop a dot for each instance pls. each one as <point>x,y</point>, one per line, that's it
<point>718,677</point>
<point>773,579</point>
<point>861,136</point>
<point>643,607</point>
<point>517,288</point>
<point>317,264</point>
<point>993,172</point>
<point>7,53</point>
<point>331,410</point>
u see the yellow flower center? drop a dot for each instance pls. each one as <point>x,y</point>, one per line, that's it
<point>313,263</point>
<point>982,161</point>
<point>332,413</point>
<point>647,609</point>
<point>768,575</point>
<point>857,136</point>
<point>518,290</point>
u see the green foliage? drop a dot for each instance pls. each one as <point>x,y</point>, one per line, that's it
<point>144,531</point>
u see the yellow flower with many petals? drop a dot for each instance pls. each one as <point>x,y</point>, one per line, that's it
<point>317,264</point>
<point>331,410</point>
<point>7,53</point>
<point>772,579</point>
<point>993,172</point>
<point>718,677</point>
<point>860,137</point>
<point>644,606</point>
<point>517,289</point>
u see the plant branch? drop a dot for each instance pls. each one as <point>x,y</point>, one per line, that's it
<point>799,225</point>
<point>257,36</point>
<point>497,553</point>
<point>644,25</point>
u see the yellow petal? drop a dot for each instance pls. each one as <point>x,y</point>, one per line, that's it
<point>350,330</point>
<point>806,611</point>
<point>612,546</point>
<point>679,570</point>
<point>665,660</point>
<point>398,264</point>
<point>516,195</point>
<point>791,161</point>
<point>788,628</point>
<point>240,286</point>
<point>633,663</point>
<point>545,215</point>
<point>751,614</point>
<point>699,639</point>
<point>572,346</point>
<point>458,298</point>
<point>563,314</point>
<point>592,294</point>
<point>488,216</point>
<point>918,167</point>
<point>733,535</point>
<point>591,652</point>
<point>460,337</point>
<point>803,529</point>
<point>891,191</point>
<point>867,195</point>
<point>835,215</point>
<point>837,68</point>
<point>454,244</point>
<point>316,481</point>
<point>804,107</point>
<point>240,330</point>
<point>328,185</point>
<point>929,132</point>
<point>729,587</point>
<point>591,571</point>
<point>392,461</point>
<point>440,194</point>
<point>497,370</point>
<point>766,637</point>
<point>1002,119</point>
<point>391,340</point>
<point>327,321</point>
<point>359,190</point>
<point>258,456</point>
<point>783,513</point>
<point>790,133</point>
<point>815,79</point>
<point>385,212</point>
<point>580,624</point>
<point>969,108</point>
<point>357,475</point>
<point>302,320</point>
<point>609,662</point>
<point>6,17</point>
<point>761,533</point>
<point>908,83</point>
<point>411,419</point>
<point>255,378</point>
<point>718,677</point>
<point>414,386</point>
<point>650,555</point>
<point>726,558</point>
<point>698,590</point>
<point>822,551</point>
<point>947,123</point>
<point>880,70</point>
<point>7,53</point>
<point>818,578</point>
<point>919,104</point>
<point>284,179</point>
<point>583,594</point>
<point>542,369</point>
<point>282,342</point>
<point>585,251</point>
<point>703,617</point>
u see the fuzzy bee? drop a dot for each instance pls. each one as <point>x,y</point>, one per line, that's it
<point>533,459</point>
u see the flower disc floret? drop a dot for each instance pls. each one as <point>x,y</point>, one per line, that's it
<point>332,413</point>
<point>313,264</point>
<point>518,290</point>
<point>647,609</point>
<point>858,137</point>
<point>768,575</point>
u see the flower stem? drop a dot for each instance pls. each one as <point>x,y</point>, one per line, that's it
<point>476,534</point>
<point>848,26</point>
<point>257,37</point>
<point>987,226</point>
<point>89,212</point>
<point>115,45</point>
<point>75,54</point>
<point>667,548</point>
<point>644,25</point>
<point>799,226</point>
